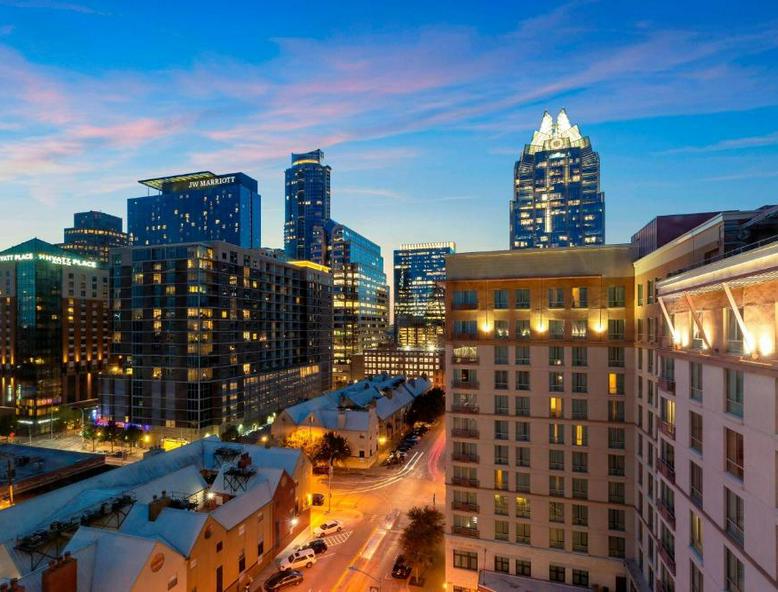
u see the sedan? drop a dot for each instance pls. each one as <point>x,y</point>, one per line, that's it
<point>283,579</point>
<point>327,528</point>
<point>401,569</point>
<point>318,546</point>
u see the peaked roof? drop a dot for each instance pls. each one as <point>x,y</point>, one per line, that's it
<point>554,135</point>
<point>36,245</point>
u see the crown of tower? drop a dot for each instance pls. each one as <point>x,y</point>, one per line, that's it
<point>557,134</point>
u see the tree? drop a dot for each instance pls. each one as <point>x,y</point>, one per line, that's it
<point>230,433</point>
<point>89,432</point>
<point>427,407</point>
<point>332,448</point>
<point>132,435</point>
<point>421,539</point>
<point>109,433</point>
<point>7,424</point>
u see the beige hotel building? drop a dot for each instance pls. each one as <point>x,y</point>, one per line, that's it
<point>611,413</point>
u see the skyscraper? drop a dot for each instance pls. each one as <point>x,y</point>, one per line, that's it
<point>197,207</point>
<point>94,234</point>
<point>307,202</point>
<point>53,330</point>
<point>557,200</point>
<point>419,296</point>
<point>360,293</point>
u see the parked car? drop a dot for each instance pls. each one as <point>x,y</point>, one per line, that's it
<point>401,569</point>
<point>300,558</point>
<point>283,579</point>
<point>318,546</point>
<point>317,499</point>
<point>327,528</point>
<point>321,469</point>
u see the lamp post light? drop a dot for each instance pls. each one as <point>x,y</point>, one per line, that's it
<point>372,577</point>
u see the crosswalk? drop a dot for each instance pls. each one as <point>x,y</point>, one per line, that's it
<point>337,538</point>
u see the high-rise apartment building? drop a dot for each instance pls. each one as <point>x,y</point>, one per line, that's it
<point>54,332</point>
<point>307,205</point>
<point>557,200</point>
<point>93,235</point>
<point>208,333</point>
<point>197,207</point>
<point>539,354</point>
<point>360,293</point>
<point>419,294</point>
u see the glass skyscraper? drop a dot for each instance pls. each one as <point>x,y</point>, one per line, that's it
<point>360,293</point>
<point>307,192</point>
<point>94,234</point>
<point>197,207</point>
<point>419,296</point>
<point>557,200</point>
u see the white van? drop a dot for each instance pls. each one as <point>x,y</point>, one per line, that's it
<point>300,558</point>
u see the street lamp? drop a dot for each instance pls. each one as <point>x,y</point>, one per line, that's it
<point>372,577</point>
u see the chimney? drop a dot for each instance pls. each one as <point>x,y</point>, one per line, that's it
<point>60,576</point>
<point>157,505</point>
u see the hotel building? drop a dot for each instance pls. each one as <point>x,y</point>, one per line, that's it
<point>307,202</point>
<point>208,333</point>
<point>93,235</point>
<point>54,331</point>
<point>405,361</point>
<point>539,352</point>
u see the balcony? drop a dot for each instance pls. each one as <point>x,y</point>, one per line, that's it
<point>668,557</point>
<point>463,408</point>
<point>466,531</point>
<point>462,457</point>
<point>465,482</point>
<point>464,384</point>
<point>667,429</point>
<point>465,506</point>
<point>464,433</point>
<point>666,469</point>
<point>667,384</point>
<point>666,511</point>
<point>464,360</point>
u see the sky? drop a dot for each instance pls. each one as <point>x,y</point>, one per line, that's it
<point>421,108</point>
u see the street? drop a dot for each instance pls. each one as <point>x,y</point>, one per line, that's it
<point>372,505</point>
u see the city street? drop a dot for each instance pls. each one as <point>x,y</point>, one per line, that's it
<point>372,506</point>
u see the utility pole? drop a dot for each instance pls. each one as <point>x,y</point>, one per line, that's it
<point>329,508</point>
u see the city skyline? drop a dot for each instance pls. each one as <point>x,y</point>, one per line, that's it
<point>678,105</point>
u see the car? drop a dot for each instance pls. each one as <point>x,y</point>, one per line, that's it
<point>302,557</point>
<point>401,569</point>
<point>318,546</point>
<point>283,579</point>
<point>404,447</point>
<point>321,469</point>
<point>327,528</point>
<point>317,499</point>
<point>401,455</point>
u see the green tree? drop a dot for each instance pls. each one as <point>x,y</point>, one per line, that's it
<point>427,407</point>
<point>422,538</point>
<point>230,433</point>
<point>109,433</point>
<point>132,435</point>
<point>332,448</point>
<point>89,432</point>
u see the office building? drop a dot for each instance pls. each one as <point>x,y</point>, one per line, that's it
<point>557,200</point>
<point>360,294</point>
<point>93,235</point>
<point>54,332</point>
<point>419,294</point>
<point>206,516</point>
<point>206,334</point>
<point>197,207</point>
<point>540,437</point>
<point>405,361</point>
<point>307,202</point>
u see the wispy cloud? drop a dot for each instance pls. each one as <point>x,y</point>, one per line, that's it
<point>51,5</point>
<point>770,139</point>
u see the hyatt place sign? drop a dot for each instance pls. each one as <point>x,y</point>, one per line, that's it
<point>53,259</point>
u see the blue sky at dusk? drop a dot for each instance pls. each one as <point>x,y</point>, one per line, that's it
<point>421,108</point>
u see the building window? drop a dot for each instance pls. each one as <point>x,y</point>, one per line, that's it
<point>695,431</point>
<point>695,381</point>
<point>501,532</point>
<point>616,297</point>
<point>580,489</point>
<point>556,433</point>
<point>523,482</point>
<point>734,516</point>
<point>466,560</point>
<point>580,435</point>
<point>695,578</point>
<point>501,564</point>
<point>580,515</point>
<point>579,356</point>
<point>579,329</point>
<point>556,382</point>
<point>501,379</point>
<point>733,380</point>
<point>465,328</point>
<point>734,454</point>
<point>501,330</point>
<point>523,568</point>
<point>733,572</point>
<point>555,407</point>
<point>500,404</point>
<point>580,407</point>
<point>556,329</point>
<point>615,383</point>
<point>501,299</point>
<point>556,538</point>
<point>616,438</point>
<point>580,298</point>
<point>616,329</point>
<point>695,532</point>
<point>522,403</point>
<point>556,355</point>
<point>695,483</point>
<point>580,462</point>
<point>522,457</point>
<point>522,431</point>
<point>556,460</point>
<point>615,492</point>
<point>581,578</point>
<point>522,329</point>
<point>522,298</point>
<point>616,520</point>
<point>465,299</point>
<point>522,380</point>
<point>522,507</point>
<point>616,465</point>
<point>734,334</point>
<point>580,382</point>
<point>242,562</point>
<point>500,429</point>
<point>616,546</point>
<point>556,573</point>
<point>500,354</point>
<point>500,454</point>
<point>523,534</point>
<point>616,357</point>
<point>522,355</point>
<point>556,298</point>
<point>580,541</point>
<point>640,294</point>
<point>556,486</point>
